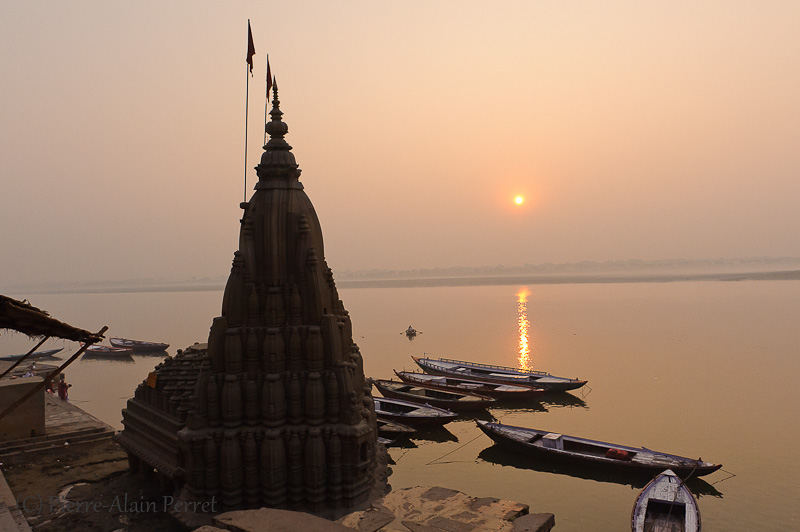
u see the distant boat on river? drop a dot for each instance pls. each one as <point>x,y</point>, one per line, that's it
<point>498,374</point>
<point>108,350</point>
<point>571,449</point>
<point>36,354</point>
<point>665,505</point>
<point>138,345</point>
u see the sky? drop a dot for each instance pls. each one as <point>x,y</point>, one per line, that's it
<point>633,130</point>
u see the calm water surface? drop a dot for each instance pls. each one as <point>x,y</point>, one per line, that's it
<point>700,369</point>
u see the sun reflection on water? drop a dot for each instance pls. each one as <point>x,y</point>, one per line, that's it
<point>524,325</point>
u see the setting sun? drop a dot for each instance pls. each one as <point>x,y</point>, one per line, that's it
<point>519,200</point>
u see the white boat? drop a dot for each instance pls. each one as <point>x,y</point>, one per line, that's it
<point>498,374</point>
<point>38,354</point>
<point>107,350</point>
<point>138,345</point>
<point>665,505</point>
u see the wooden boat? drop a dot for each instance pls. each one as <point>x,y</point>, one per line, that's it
<point>456,384</point>
<point>411,331</point>
<point>138,345</point>
<point>393,429</point>
<point>412,414</point>
<point>560,447</point>
<point>498,374</point>
<point>421,393</point>
<point>33,356</point>
<point>107,350</point>
<point>665,505</point>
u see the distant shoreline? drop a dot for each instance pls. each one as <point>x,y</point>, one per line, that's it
<point>789,275</point>
<point>429,282</point>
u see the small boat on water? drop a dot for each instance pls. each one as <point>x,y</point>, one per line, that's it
<point>138,345</point>
<point>665,505</point>
<point>96,349</point>
<point>571,449</point>
<point>498,374</point>
<point>421,393</point>
<point>393,429</point>
<point>411,331</point>
<point>456,384</point>
<point>36,354</point>
<point>412,414</point>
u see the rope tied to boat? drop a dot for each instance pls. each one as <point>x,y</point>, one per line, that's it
<point>730,476</point>
<point>454,450</point>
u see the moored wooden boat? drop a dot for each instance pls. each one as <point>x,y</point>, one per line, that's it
<point>499,374</point>
<point>665,505</point>
<point>97,349</point>
<point>456,384</point>
<point>421,393</point>
<point>393,429</point>
<point>571,449</point>
<point>138,345</point>
<point>412,414</point>
<point>33,356</point>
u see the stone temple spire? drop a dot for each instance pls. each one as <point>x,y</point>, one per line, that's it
<point>276,413</point>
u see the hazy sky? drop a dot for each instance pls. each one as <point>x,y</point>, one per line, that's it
<point>634,130</point>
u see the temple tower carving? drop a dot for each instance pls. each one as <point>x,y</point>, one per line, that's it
<point>274,412</point>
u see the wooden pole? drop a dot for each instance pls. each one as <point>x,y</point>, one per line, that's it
<point>246,102</point>
<point>21,360</point>
<point>52,374</point>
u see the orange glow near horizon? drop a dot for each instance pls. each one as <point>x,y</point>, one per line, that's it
<point>524,329</point>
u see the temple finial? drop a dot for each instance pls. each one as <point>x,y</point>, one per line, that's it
<point>276,128</point>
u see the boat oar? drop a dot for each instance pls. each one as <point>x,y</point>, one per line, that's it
<point>22,359</point>
<point>53,373</point>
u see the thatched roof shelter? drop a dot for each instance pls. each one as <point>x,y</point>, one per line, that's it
<point>23,317</point>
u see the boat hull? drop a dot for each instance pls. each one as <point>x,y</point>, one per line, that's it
<point>108,350</point>
<point>35,355</point>
<point>137,345</point>
<point>665,504</point>
<point>454,384</point>
<point>416,393</point>
<point>497,374</point>
<point>595,453</point>
<point>411,414</point>
<point>393,429</point>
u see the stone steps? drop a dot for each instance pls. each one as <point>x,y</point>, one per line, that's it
<point>50,441</point>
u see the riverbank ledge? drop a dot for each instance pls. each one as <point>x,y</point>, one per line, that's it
<point>417,509</point>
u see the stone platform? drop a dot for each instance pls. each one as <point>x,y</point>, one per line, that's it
<point>64,423</point>
<point>419,509</point>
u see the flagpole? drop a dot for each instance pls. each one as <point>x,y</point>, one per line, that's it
<point>266,104</point>
<point>246,104</point>
<point>251,50</point>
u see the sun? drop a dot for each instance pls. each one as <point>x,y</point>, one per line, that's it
<point>519,200</point>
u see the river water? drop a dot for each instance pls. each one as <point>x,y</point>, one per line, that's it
<point>699,369</point>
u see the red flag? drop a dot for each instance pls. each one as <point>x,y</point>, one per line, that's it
<point>269,78</point>
<point>251,49</point>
